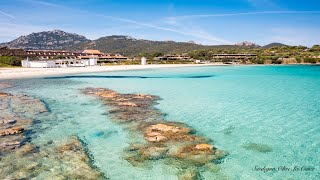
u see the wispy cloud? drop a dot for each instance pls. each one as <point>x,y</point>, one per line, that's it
<point>14,30</point>
<point>212,38</point>
<point>241,14</point>
<point>7,15</point>
<point>44,3</point>
<point>208,36</point>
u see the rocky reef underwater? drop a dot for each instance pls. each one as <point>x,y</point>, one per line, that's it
<point>21,159</point>
<point>174,142</point>
<point>154,139</point>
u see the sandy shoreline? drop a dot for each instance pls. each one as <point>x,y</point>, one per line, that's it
<point>18,73</point>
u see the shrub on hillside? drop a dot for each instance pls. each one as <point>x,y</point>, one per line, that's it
<point>10,60</point>
<point>311,60</point>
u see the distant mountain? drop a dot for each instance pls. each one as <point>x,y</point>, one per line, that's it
<point>247,44</point>
<point>126,45</point>
<point>273,45</point>
<point>131,46</point>
<point>192,42</point>
<point>55,39</point>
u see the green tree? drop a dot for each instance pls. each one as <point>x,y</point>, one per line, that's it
<point>10,60</point>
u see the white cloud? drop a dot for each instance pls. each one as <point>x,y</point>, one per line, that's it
<point>212,38</point>
<point>44,3</point>
<point>10,31</point>
<point>7,15</point>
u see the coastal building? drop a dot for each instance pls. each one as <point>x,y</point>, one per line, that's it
<point>198,61</point>
<point>38,64</point>
<point>173,57</point>
<point>61,58</point>
<point>233,57</point>
<point>63,54</point>
<point>217,57</point>
<point>53,54</point>
<point>143,61</point>
<point>112,57</point>
<point>59,63</point>
<point>102,57</point>
<point>87,57</point>
<point>93,52</point>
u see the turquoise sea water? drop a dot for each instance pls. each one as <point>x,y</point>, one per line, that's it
<point>278,106</point>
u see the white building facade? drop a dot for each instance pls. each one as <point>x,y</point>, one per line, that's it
<point>143,61</point>
<point>59,63</point>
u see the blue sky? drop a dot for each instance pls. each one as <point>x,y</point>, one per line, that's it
<point>203,21</point>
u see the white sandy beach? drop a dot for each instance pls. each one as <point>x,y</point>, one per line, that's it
<point>17,73</point>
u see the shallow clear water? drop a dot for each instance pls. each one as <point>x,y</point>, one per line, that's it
<point>277,106</point>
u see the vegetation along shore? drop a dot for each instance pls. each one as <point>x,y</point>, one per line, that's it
<point>125,50</point>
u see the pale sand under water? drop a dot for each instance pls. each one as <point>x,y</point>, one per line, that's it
<point>17,73</point>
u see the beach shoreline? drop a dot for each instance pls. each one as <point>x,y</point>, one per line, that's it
<point>23,73</point>
<point>20,73</point>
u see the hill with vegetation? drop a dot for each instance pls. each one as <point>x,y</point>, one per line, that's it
<point>275,53</point>
<point>275,44</point>
<point>55,39</point>
<point>134,47</point>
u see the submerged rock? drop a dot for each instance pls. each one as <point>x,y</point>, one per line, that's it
<point>7,121</point>
<point>7,146</point>
<point>199,153</point>
<point>204,147</point>
<point>228,130</point>
<point>67,160</point>
<point>20,159</point>
<point>4,94</point>
<point>262,148</point>
<point>170,132</point>
<point>168,128</point>
<point>163,140</point>
<point>11,131</point>
<point>16,116</point>
<point>189,174</point>
<point>128,107</point>
<point>138,153</point>
<point>127,104</point>
<point>213,168</point>
<point>5,85</point>
<point>26,149</point>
